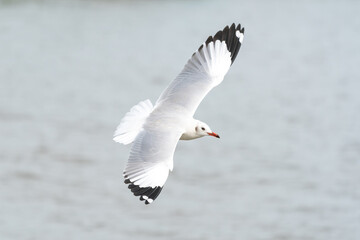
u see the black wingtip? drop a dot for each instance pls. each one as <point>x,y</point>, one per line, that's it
<point>147,194</point>
<point>210,39</point>
<point>231,37</point>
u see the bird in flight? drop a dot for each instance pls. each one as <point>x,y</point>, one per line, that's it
<point>156,129</point>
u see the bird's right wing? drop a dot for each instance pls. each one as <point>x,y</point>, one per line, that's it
<point>150,160</point>
<point>205,70</point>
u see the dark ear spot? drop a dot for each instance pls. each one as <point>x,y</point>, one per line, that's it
<point>196,128</point>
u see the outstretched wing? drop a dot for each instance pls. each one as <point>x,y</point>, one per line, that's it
<point>205,70</point>
<point>150,160</point>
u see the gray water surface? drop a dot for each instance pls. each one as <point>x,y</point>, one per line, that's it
<point>287,165</point>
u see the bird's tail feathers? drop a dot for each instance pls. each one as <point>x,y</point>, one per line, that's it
<point>133,122</point>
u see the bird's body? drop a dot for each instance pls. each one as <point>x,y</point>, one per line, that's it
<point>155,130</point>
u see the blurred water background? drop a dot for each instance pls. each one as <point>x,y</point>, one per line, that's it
<point>287,165</point>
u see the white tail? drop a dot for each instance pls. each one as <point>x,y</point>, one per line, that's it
<point>132,123</point>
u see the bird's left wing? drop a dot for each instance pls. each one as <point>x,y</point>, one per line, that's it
<point>150,160</point>
<point>205,70</point>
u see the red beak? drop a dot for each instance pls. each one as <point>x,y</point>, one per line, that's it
<point>214,135</point>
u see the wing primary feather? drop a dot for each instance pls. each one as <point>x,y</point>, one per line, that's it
<point>218,36</point>
<point>233,45</point>
<point>225,35</point>
<point>209,39</point>
<point>149,192</point>
<point>230,37</point>
<point>235,50</point>
<point>142,191</point>
<point>131,186</point>
<point>156,193</point>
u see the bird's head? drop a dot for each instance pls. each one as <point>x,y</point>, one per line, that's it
<point>202,129</point>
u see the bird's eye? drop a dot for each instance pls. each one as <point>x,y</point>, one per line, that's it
<point>203,128</point>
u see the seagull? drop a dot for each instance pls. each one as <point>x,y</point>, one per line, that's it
<point>156,129</point>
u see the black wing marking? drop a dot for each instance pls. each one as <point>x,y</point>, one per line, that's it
<point>229,35</point>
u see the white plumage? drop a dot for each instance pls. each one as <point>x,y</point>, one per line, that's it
<point>156,130</point>
<point>132,123</point>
